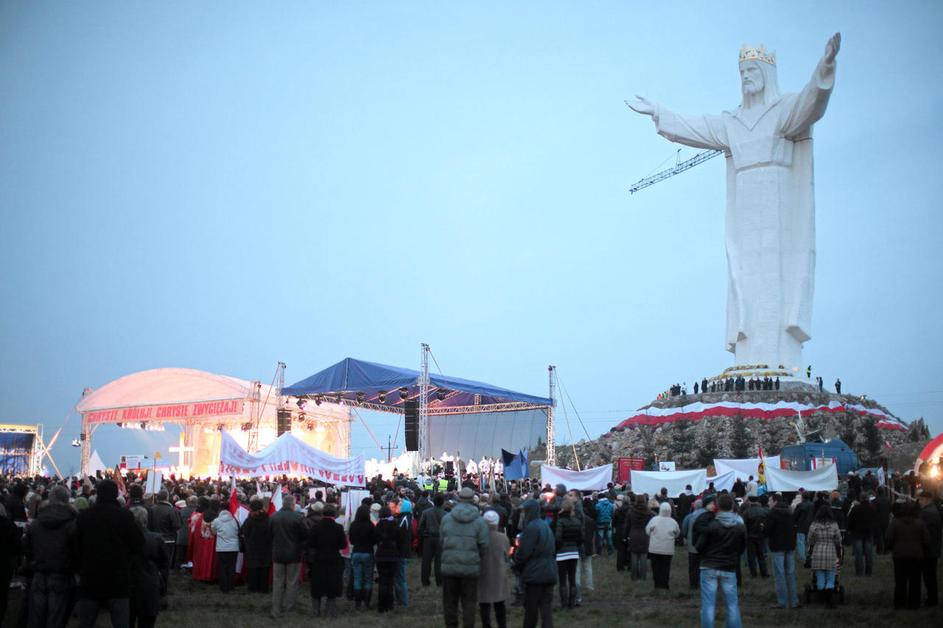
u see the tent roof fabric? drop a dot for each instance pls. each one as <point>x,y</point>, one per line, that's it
<point>163,386</point>
<point>350,377</point>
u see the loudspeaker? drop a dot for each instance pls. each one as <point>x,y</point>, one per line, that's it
<point>282,421</point>
<point>412,425</point>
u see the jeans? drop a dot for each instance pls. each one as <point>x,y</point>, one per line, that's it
<point>284,587</point>
<point>756,556</point>
<point>604,533</point>
<point>457,589</point>
<point>431,558</point>
<point>784,569</point>
<point>800,547</point>
<point>119,609</point>
<point>864,555</point>
<point>727,580</point>
<point>538,599</point>
<point>51,597</point>
<point>400,589</point>
<point>639,560</point>
<point>586,567</point>
<point>362,563</point>
<point>824,580</point>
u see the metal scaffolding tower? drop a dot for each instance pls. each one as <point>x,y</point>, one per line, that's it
<point>551,443</point>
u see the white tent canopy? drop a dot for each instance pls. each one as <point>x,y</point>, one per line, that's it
<point>95,463</point>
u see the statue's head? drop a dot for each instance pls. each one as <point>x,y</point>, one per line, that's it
<point>758,80</point>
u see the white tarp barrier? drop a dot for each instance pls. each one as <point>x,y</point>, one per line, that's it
<point>651,482</point>
<point>291,456</point>
<point>595,479</point>
<point>723,481</point>
<point>744,467</point>
<point>822,479</point>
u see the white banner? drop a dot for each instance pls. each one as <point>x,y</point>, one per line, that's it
<point>652,482</point>
<point>290,456</point>
<point>744,467</point>
<point>822,479</point>
<point>595,479</point>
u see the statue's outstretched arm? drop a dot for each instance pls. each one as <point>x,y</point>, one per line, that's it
<point>696,131</point>
<point>811,103</point>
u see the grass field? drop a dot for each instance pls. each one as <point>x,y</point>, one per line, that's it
<point>615,601</point>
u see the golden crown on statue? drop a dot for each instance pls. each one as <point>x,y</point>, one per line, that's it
<point>749,53</point>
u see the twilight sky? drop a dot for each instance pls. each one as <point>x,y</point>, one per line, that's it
<point>222,185</point>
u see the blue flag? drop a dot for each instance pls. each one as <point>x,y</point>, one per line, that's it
<point>515,465</point>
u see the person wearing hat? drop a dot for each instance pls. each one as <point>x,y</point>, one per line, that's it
<point>493,587</point>
<point>464,538</point>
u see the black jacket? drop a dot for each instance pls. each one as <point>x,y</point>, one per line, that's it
<point>145,575</point>
<point>288,536</point>
<point>569,534</point>
<point>754,517</point>
<point>638,518</point>
<point>803,516</point>
<point>907,537</point>
<point>722,542</point>
<point>862,521</point>
<point>535,558</point>
<point>363,536</point>
<point>326,539</point>
<point>164,520</point>
<point>51,544</point>
<point>256,535</point>
<point>930,515</point>
<point>108,536</point>
<point>780,529</point>
<point>388,541</point>
<point>430,521</point>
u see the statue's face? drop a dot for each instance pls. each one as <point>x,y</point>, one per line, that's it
<point>751,77</point>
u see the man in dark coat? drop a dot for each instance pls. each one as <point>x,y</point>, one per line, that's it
<point>257,539</point>
<point>288,536</point>
<point>165,521</point>
<point>325,541</point>
<point>882,514</point>
<point>754,517</point>
<point>51,553</point>
<point>107,538</point>
<point>930,514</point>
<point>781,536</point>
<point>429,524</point>
<point>861,522</point>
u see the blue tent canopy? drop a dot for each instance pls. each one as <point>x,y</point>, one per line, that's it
<point>389,387</point>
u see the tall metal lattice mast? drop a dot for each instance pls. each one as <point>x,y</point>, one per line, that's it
<point>551,442</point>
<point>424,402</point>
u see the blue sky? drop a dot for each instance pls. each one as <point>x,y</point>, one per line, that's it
<point>224,185</point>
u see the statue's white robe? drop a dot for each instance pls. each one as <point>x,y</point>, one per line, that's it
<point>770,222</point>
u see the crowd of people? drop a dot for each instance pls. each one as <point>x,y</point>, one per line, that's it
<point>96,544</point>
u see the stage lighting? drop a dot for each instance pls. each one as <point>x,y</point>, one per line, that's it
<point>301,417</point>
<point>441,393</point>
<point>317,400</point>
<point>339,399</point>
<point>403,392</point>
<point>76,442</point>
<point>381,396</point>
<point>301,403</point>
<point>360,397</point>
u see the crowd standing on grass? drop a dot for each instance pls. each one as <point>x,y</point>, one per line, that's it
<point>86,546</point>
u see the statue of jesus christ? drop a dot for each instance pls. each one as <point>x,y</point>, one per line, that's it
<point>770,223</point>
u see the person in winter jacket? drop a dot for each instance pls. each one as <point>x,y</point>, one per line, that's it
<point>639,517</point>
<point>226,529</point>
<point>781,538</point>
<point>256,536</point>
<point>325,541</point>
<point>824,551</point>
<point>535,561</point>
<point>862,521</point>
<point>930,514</point>
<point>604,510</point>
<point>146,568</point>
<point>288,536</point>
<point>909,542</point>
<point>662,532</point>
<point>754,517</point>
<point>619,517</point>
<point>464,536</point>
<point>720,544</point>
<point>687,531</point>
<point>802,516</point>
<point>493,589</point>
<point>51,552</point>
<point>389,547</point>
<point>407,529</point>
<point>568,537</point>
<point>584,580</point>
<point>429,533</point>
<point>108,536</point>
<point>164,519</point>
<point>363,540</point>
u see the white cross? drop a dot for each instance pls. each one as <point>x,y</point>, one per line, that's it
<point>180,450</point>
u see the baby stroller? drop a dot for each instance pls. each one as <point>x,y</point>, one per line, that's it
<point>811,588</point>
